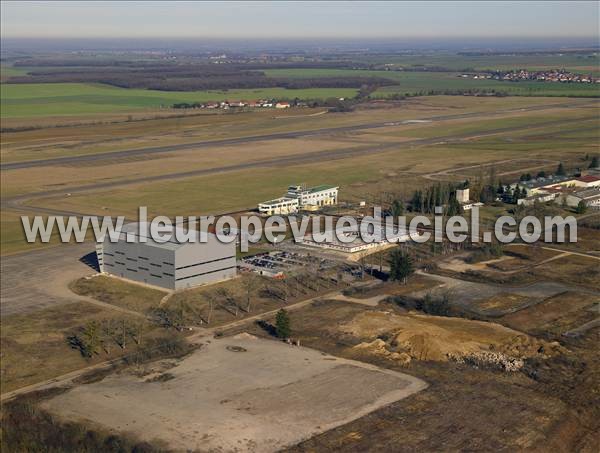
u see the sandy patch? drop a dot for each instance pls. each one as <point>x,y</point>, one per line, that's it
<point>425,337</point>
<point>239,394</point>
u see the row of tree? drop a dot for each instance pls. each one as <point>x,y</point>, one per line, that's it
<point>425,201</point>
<point>97,336</point>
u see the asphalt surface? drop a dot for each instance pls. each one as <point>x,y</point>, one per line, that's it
<point>40,278</point>
<point>278,136</point>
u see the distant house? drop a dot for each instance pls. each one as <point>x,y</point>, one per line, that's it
<point>282,105</point>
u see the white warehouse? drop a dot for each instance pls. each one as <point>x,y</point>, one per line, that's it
<point>172,264</point>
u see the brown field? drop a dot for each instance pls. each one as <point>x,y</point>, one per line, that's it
<point>574,269</point>
<point>503,302</point>
<point>555,315</point>
<point>505,410</point>
<point>35,346</point>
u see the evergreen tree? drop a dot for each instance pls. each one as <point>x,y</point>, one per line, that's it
<point>560,170</point>
<point>516,195</point>
<point>401,266</point>
<point>594,163</point>
<point>397,208</point>
<point>453,207</point>
<point>581,207</point>
<point>282,324</point>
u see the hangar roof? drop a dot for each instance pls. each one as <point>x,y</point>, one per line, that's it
<point>140,232</point>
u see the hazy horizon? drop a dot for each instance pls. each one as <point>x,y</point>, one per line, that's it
<point>295,45</point>
<point>298,20</point>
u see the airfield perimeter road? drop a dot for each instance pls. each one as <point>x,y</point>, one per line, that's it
<point>277,136</point>
<point>18,202</point>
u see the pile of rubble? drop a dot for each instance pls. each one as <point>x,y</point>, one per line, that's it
<point>379,347</point>
<point>489,359</point>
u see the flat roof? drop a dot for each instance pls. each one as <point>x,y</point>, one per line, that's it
<point>587,193</point>
<point>278,200</point>
<point>135,231</point>
<point>545,181</point>
<point>588,178</point>
<point>322,187</point>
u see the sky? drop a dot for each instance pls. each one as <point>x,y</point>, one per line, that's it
<point>120,19</point>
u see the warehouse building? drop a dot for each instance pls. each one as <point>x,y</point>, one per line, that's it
<point>172,265</point>
<point>300,197</point>
<point>590,197</point>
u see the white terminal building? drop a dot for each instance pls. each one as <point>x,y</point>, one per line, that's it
<point>300,197</point>
<point>352,242</point>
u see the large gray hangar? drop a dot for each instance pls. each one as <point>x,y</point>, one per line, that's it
<point>172,264</point>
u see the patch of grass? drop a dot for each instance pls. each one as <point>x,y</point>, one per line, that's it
<point>35,348</point>
<point>43,99</point>
<point>118,292</point>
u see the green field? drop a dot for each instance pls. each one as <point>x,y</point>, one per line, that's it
<point>45,99</point>
<point>10,71</point>
<point>577,63</point>
<point>423,82</point>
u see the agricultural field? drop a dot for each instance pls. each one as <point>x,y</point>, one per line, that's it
<point>64,99</point>
<point>411,83</point>
<point>583,63</point>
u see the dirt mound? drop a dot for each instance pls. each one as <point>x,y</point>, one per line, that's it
<point>379,347</point>
<point>425,337</point>
<point>244,336</point>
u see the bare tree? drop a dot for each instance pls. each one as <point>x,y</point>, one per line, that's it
<point>139,332</point>
<point>91,334</point>
<point>362,262</point>
<point>250,282</point>
<point>229,303</point>
<point>107,331</point>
